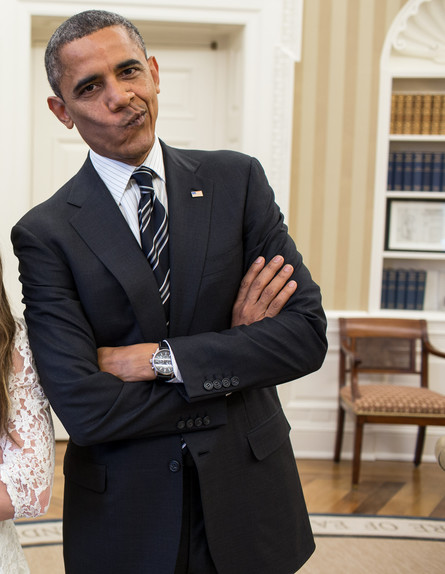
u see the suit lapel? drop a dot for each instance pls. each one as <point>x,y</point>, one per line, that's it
<point>189,226</point>
<point>101,225</point>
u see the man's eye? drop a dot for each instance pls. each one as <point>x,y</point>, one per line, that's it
<point>88,89</point>
<point>129,71</point>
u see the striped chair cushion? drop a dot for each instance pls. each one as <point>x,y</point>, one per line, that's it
<point>395,399</point>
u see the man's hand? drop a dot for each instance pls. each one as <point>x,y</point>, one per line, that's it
<point>130,363</point>
<point>263,292</point>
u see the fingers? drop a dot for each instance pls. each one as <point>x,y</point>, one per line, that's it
<point>264,291</point>
<point>279,290</point>
<point>281,299</point>
<point>272,280</point>
<point>260,280</point>
<point>249,278</point>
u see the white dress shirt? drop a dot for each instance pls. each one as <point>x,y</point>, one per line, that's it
<point>125,191</point>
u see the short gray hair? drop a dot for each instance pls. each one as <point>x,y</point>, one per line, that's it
<point>79,26</point>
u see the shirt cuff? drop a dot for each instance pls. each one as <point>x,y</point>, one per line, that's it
<point>177,378</point>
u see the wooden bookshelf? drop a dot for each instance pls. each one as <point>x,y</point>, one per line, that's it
<point>409,209</point>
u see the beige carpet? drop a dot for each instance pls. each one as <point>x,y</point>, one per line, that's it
<point>375,556</point>
<point>45,559</point>
<point>42,544</point>
<point>345,545</point>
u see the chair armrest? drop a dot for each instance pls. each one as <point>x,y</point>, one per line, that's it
<point>433,350</point>
<point>354,361</point>
<point>350,353</point>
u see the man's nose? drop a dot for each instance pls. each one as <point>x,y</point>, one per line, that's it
<point>119,96</point>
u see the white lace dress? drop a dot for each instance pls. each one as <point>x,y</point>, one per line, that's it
<point>26,468</point>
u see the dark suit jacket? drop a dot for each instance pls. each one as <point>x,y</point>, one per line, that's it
<point>87,284</point>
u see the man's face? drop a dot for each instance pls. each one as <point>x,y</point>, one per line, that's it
<point>109,92</point>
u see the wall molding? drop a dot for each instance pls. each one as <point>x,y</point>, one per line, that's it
<point>420,31</point>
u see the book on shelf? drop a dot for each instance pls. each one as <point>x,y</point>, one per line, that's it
<point>442,179</point>
<point>442,116</point>
<point>427,108</point>
<point>411,290</point>
<point>417,113</point>
<point>407,171</point>
<point>389,288</point>
<point>398,171</point>
<point>400,302</point>
<point>384,290</point>
<point>408,110</point>
<point>392,118</point>
<point>404,289</point>
<point>435,113</point>
<point>436,172</point>
<point>416,171</point>
<point>397,113</point>
<point>427,171</point>
<point>420,289</point>
<point>390,174</point>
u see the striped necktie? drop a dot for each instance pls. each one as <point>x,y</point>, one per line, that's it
<point>153,225</point>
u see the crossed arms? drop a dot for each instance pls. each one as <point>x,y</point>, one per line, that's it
<point>263,292</point>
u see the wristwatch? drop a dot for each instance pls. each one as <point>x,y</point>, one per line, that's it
<point>161,362</point>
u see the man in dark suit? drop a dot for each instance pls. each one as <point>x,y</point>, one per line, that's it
<point>184,464</point>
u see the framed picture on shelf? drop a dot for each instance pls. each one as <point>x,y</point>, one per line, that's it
<point>415,225</point>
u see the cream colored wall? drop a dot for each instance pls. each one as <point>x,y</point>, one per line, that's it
<point>334,141</point>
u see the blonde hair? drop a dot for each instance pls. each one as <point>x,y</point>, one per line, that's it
<point>7,332</point>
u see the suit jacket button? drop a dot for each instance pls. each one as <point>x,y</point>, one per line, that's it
<point>206,421</point>
<point>208,385</point>
<point>190,423</point>
<point>234,381</point>
<point>226,382</point>
<point>180,425</point>
<point>217,384</point>
<point>174,466</point>
<point>198,422</point>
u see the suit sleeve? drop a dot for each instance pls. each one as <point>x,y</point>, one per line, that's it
<point>271,351</point>
<point>94,407</point>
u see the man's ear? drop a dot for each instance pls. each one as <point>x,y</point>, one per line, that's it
<point>154,69</point>
<point>58,108</point>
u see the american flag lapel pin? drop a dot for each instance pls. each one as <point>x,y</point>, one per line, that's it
<point>196,193</point>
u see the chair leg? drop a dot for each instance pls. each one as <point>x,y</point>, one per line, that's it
<point>339,436</point>
<point>419,445</point>
<point>357,450</point>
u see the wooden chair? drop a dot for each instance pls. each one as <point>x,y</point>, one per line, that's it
<point>370,348</point>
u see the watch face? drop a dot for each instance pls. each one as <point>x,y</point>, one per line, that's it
<point>162,362</point>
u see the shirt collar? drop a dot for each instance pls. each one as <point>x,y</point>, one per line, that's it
<point>116,174</point>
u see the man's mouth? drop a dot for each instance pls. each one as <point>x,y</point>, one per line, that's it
<point>136,120</point>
